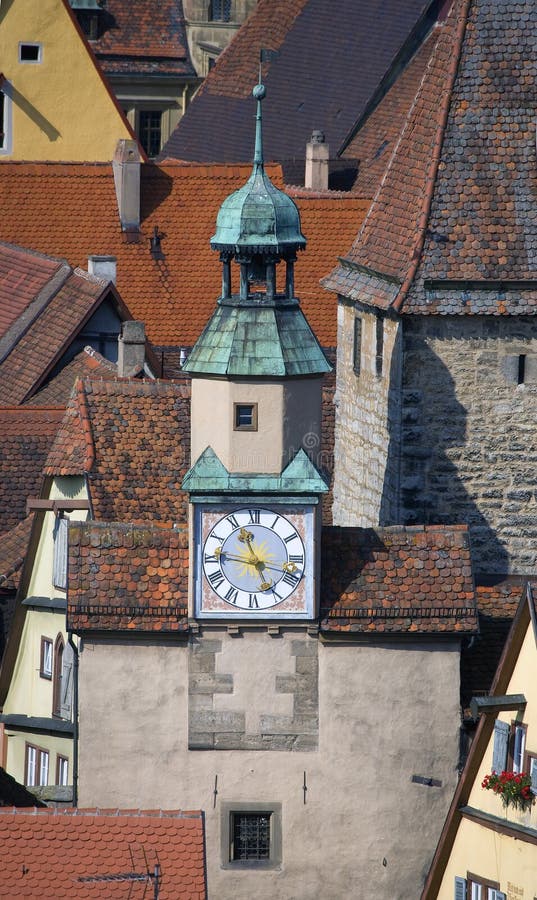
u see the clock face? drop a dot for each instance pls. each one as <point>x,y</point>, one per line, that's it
<point>254,560</point>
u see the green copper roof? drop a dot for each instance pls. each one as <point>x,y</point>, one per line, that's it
<point>208,475</point>
<point>258,338</point>
<point>258,218</point>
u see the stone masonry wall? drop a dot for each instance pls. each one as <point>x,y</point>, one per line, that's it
<point>367,423</point>
<point>469,433</point>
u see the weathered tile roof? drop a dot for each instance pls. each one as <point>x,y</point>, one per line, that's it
<point>13,546</point>
<point>356,48</point>
<point>140,37</point>
<point>496,605</point>
<point>174,297</point>
<point>66,853</point>
<point>87,363</point>
<point>127,578</point>
<point>397,580</point>
<point>462,236</point>
<point>26,435</point>
<point>23,276</point>
<point>33,354</point>
<point>132,439</point>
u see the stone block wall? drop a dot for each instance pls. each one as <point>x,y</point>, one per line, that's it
<point>367,423</point>
<point>469,441</point>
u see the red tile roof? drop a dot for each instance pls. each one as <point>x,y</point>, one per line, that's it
<point>13,546</point>
<point>328,69</point>
<point>143,37</point>
<point>402,579</point>
<point>87,363</point>
<point>132,438</point>
<point>389,242</point>
<point>462,238</point>
<point>23,276</point>
<point>26,435</point>
<point>174,297</point>
<point>39,348</point>
<point>69,853</point>
<point>127,578</point>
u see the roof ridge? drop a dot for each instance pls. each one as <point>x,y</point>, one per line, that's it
<point>109,812</point>
<point>86,424</point>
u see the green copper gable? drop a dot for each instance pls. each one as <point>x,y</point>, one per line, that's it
<point>209,475</point>
<point>257,339</point>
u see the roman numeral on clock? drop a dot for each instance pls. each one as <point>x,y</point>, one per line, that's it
<point>232,521</point>
<point>291,537</point>
<point>210,558</point>
<point>291,579</point>
<point>252,601</point>
<point>216,578</point>
<point>298,560</point>
<point>254,516</point>
<point>232,595</point>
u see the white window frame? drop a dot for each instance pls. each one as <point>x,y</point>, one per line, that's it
<point>6,144</point>
<point>31,62</point>
<point>519,745</point>
<point>47,656</point>
<point>37,766</point>
<point>62,770</point>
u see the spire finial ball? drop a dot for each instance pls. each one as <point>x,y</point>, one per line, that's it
<point>259,91</point>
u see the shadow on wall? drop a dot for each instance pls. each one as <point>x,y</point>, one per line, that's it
<point>438,466</point>
<point>28,109</point>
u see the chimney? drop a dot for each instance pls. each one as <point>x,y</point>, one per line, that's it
<point>131,349</point>
<point>104,267</point>
<point>317,153</point>
<point>126,166</point>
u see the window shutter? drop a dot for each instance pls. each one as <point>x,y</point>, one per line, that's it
<point>501,740</point>
<point>533,773</point>
<point>59,575</point>
<point>460,888</point>
<point>66,699</point>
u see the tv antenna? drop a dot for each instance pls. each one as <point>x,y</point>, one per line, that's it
<point>146,877</point>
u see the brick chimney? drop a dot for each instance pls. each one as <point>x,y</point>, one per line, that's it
<point>317,153</point>
<point>127,166</point>
<point>131,349</point>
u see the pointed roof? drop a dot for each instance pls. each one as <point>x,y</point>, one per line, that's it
<point>258,218</point>
<point>462,236</point>
<point>209,474</point>
<point>327,71</point>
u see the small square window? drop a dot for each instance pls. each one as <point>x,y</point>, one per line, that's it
<point>245,416</point>
<point>251,835</point>
<point>30,53</point>
<point>45,667</point>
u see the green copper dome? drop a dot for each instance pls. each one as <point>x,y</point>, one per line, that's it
<point>258,218</point>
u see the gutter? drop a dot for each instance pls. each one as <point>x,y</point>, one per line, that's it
<point>75,716</point>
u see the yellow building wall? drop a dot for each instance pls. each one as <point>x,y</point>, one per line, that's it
<point>30,694</point>
<point>60,107</point>
<point>480,850</point>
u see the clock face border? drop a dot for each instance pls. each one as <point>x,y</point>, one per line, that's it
<point>298,602</point>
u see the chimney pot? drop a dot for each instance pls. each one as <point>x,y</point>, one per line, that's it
<point>126,166</point>
<point>131,349</point>
<point>104,267</point>
<point>317,154</point>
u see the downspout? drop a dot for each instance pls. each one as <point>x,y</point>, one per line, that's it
<point>75,716</point>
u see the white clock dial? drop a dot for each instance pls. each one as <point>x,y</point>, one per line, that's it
<point>253,558</point>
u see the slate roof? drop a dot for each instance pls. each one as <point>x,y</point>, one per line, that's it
<point>175,297</point>
<point>405,580</point>
<point>53,307</point>
<point>26,435</point>
<point>51,853</point>
<point>139,37</point>
<point>127,578</point>
<point>356,48</point>
<point>462,236</point>
<point>132,439</point>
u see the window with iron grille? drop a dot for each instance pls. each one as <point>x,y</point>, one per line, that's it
<point>357,346</point>
<point>219,10</point>
<point>150,130</point>
<point>251,835</point>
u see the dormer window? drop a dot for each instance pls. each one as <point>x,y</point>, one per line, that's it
<point>88,13</point>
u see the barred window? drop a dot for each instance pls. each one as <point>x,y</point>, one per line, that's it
<point>250,836</point>
<point>220,10</point>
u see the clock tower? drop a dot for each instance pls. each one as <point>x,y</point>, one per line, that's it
<point>257,369</point>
